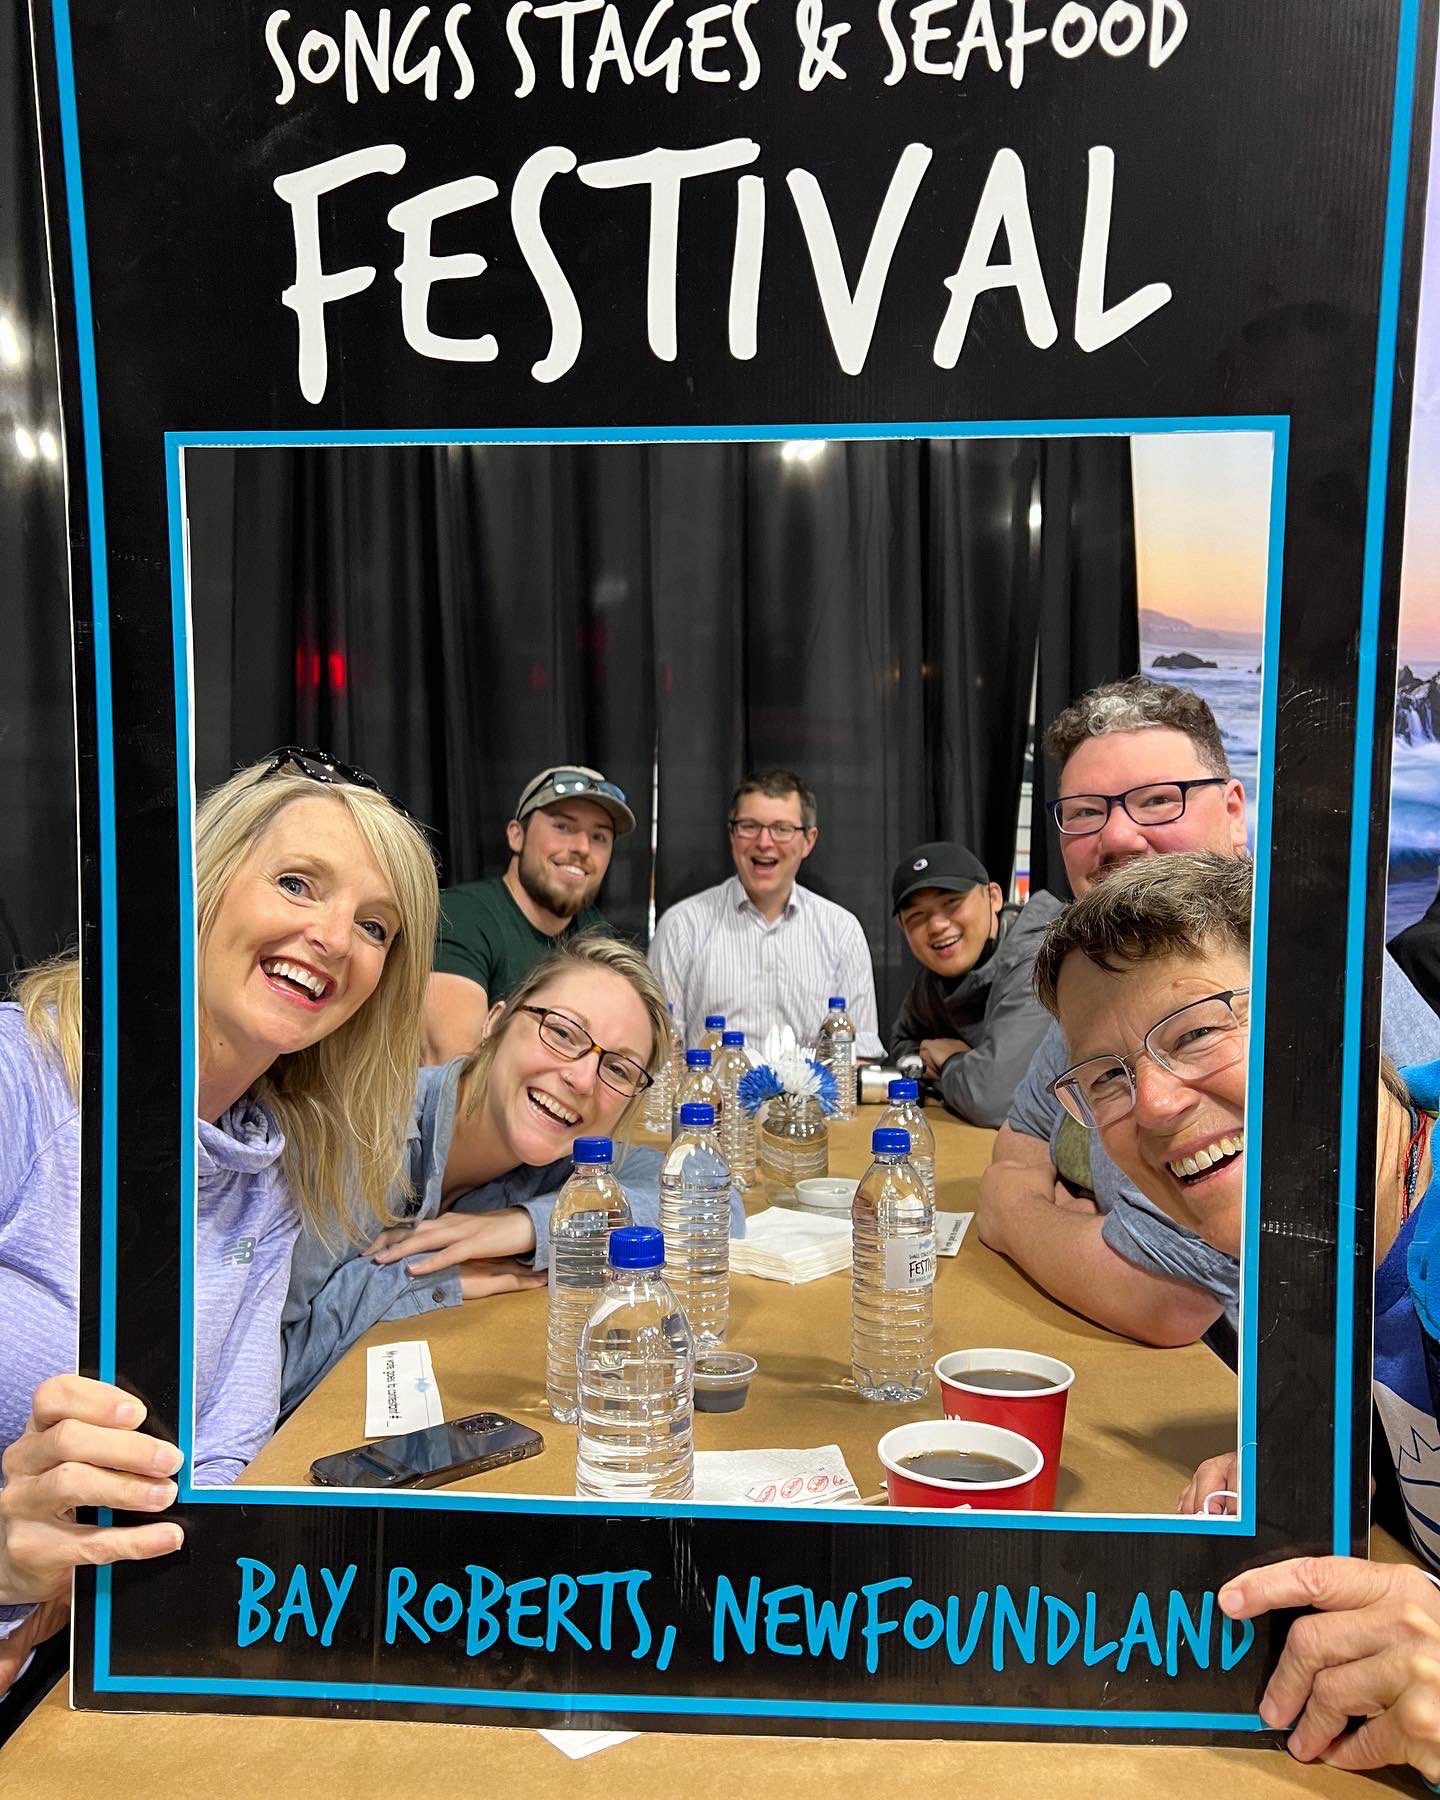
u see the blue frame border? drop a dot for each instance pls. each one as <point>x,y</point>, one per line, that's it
<point>1276,427</point>
<point>1387,332</point>
<point>176,444</point>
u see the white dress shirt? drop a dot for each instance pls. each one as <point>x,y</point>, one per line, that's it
<point>717,953</point>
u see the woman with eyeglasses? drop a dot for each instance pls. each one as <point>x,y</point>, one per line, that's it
<point>568,1054</point>
<point>316,904</point>
<point>1148,975</point>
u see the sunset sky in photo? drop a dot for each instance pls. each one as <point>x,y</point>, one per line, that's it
<point>1202,525</point>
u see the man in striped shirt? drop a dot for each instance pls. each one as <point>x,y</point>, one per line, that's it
<point>759,948</point>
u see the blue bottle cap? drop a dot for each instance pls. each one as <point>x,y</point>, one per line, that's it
<point>732,1037</point>
<point>837,1003</point>
<point>886,1141</point>
<point>701,1112</point>
<point>593,1150</point>
<point>697,1059</point>
<point>904,1090</point>
<point>714,1021</point>
<point>636,1247</point>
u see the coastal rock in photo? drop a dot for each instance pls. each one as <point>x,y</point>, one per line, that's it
<point>1183,659</point>
<point>1417,707</point>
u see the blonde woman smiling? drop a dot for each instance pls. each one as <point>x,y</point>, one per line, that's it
<point>568,1054</point>
<point>316,902</point>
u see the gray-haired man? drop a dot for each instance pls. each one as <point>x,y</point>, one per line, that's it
<point>1142,771</point>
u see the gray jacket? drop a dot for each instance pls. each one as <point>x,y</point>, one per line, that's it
<point>993,1007</point>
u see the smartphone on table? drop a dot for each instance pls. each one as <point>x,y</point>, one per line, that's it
<point>429,1458</point>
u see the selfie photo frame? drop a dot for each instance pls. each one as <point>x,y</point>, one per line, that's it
<point>176,331</point>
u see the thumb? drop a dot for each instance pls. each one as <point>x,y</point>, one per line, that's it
<point>48,1618</point>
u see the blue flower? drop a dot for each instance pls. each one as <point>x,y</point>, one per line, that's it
<point>801,1078</point>
<point>755,1088</point>
<point>827,1091</point>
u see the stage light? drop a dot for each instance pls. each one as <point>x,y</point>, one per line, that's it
<point>11,353</point>
<point>1036,514</point>
<point>25,444</point>
<point>802,450</point>
<point>49,445</point>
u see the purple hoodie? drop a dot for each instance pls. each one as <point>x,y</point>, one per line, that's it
<point>245,1229</point>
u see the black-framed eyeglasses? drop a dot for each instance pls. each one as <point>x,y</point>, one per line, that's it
<point>319,765</point>
<point>567,1037</point>
<point>781,830</point>
<point>1155,803</point>
<point>1192,1042</point>
<point>574,781</point>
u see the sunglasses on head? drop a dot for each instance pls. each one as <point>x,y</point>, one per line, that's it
<point>319,765</point>
<point>574,781</point>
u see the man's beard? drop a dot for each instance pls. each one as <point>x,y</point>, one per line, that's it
<point>563,898</point>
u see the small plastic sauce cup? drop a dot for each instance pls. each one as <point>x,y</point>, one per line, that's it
<point>722,1381</point>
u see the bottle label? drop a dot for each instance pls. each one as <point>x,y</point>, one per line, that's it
<point>909,1264</point>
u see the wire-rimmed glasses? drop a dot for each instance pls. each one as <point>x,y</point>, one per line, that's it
<point>1190,1043</point>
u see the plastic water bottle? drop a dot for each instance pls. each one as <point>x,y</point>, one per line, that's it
<point>893,1276</point>
<point>836,1049</point>
<point>714,1032</point>
<point>660,1095</point>
<point>904,1113</point>
<point>695,1217</point>
<point>587,1209</point>
<point>636,1437</point>
<point>739,1130</point>
<point>698,1087</point>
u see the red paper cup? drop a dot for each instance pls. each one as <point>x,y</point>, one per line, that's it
<point>1038,1415</point>
<point>910,1489</point>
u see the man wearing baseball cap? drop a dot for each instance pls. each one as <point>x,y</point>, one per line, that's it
<point>493,932</point>
<point>971,1015</point>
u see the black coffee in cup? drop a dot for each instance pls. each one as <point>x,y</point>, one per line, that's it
<point>980,1468</point>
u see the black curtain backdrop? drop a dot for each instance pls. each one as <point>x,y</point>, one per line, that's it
<point>38,910</point>
<point>1089,617</point>
<point>454,618</point>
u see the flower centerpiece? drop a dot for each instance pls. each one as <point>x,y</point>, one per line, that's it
<point>797,1094</point>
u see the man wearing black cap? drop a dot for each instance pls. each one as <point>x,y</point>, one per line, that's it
<point>971,1015</point>
<point>492,933</point>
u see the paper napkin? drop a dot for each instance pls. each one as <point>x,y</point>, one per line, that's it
<point>792,1246</point>
<point>816,1477</point>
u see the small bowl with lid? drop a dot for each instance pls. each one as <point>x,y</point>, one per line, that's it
<point>831,1194</point>
<point>722,1380</point>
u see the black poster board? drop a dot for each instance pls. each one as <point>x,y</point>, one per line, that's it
<point>1106,218</point>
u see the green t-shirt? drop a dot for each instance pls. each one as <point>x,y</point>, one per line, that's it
<point>485,936</point>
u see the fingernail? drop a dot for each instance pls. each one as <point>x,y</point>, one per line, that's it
<point>129,1412</point>
<point>177,1537</point>
<point>1231,1600</point>
<point>160,1493</point>
<point>167,1460</point>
